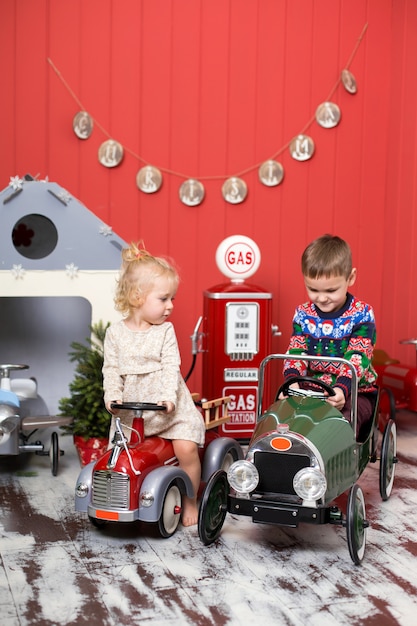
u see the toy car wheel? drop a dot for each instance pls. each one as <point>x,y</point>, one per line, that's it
<point>388,460</point>
<point>213,507</point>
<point>229,458</point>
<point>171,511</point>
<point>356,524</point>
<point>54,453</point>
<point>98,523</point>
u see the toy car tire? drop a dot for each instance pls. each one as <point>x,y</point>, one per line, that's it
<point>388,460</point>
<point>97,523</point>
<point>356,524</point>
<point>171,511</point>
<point>54,453</point>
<point>229,458</point>
<point>213,507</point>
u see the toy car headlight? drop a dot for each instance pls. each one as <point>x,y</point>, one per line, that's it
<point>146,499</point>
<point>81,490</point>
<point>243,476</point>
<point>310,483</point>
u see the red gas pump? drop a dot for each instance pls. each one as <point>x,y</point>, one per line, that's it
<point>236,335</point>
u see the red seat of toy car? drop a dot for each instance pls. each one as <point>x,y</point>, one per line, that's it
<point>381,357</point>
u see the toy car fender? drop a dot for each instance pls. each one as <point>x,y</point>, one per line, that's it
<point>85,479</point>
<point>155,487</point>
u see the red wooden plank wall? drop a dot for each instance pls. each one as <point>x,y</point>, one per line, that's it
<point>212,88</point>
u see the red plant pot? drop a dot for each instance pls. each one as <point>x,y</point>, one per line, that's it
<point>90,449</point>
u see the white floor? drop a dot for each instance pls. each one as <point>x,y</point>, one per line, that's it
<point>55,568</point>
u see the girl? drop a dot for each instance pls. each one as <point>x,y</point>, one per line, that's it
<point>142,362</point>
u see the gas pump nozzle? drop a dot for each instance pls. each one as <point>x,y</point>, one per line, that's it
<point>195,339</point>
<point>275,331</point>
<point>196,336</point>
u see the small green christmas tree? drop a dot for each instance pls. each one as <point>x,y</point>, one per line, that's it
<point>86,404</point>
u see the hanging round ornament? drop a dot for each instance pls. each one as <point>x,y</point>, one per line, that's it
<point>328,115</point>
<point>271,173</point>
<point>149,179</point>
<point>110,153</point>
<point>82,124</point>
<point>349,81</point>
<point>191,192</point>
<point>234,190</point>
<point>302,148</point>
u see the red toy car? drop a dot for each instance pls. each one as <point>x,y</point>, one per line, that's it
<point>142,480</point>
<point>398,384</point>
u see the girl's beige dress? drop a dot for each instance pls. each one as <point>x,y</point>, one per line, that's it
<point>144,366</point>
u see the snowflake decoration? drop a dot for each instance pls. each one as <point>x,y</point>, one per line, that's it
<point>72,270</point>
<point>16,183</point>
<point>106,231</point>
<point>64,196</point>
<point>18,271</point>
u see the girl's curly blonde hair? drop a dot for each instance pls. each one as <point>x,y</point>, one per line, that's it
<point>137,276</point>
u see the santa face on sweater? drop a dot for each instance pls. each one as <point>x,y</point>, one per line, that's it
<point>328,293</point>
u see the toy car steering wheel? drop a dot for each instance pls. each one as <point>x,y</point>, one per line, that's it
<point>286,390</point>
<point>139,406</point>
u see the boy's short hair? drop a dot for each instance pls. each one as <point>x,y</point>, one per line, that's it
<point>327,256</point>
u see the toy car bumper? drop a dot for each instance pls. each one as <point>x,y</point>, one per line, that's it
<point>265,511</point>
<point>113,516</point>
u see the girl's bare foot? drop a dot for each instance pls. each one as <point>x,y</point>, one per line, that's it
<point>189,515</point>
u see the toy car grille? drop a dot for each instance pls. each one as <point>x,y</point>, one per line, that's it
<point>110,490</point>
<point>276,471</point>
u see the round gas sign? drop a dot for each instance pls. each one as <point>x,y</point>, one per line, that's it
<point>238,257</point>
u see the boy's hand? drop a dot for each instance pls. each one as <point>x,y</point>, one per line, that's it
<point>293,386</point>
<point>338,400</point>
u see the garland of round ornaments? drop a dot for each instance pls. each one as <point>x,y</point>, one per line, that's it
<point>234,189</point>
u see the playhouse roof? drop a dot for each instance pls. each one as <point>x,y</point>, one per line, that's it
<point>43,227</point>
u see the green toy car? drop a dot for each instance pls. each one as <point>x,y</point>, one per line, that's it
<point>302,456</point>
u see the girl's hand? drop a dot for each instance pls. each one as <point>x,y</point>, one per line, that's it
<point>338,400</point>
<point>169,405</point>
<point>108,405</point>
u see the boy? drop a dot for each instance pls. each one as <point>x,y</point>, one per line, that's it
<point>334,323</point>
